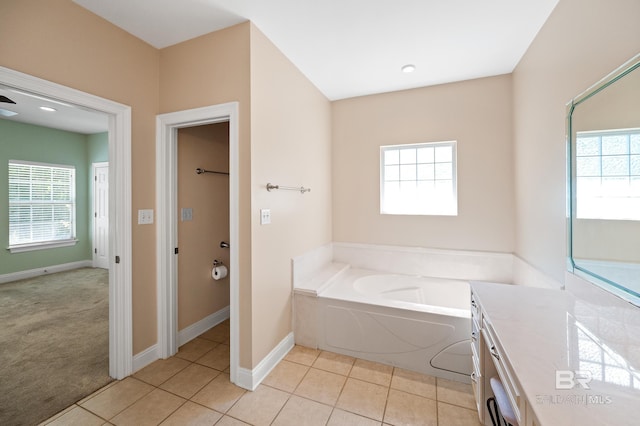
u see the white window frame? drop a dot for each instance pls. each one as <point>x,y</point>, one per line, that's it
<point>46,244</point>
<point>603,204</point>
<point>434,206</point>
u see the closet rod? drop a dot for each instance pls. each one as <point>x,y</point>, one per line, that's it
<point>201,171</point>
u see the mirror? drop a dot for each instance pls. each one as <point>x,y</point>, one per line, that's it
<point>603,137</point>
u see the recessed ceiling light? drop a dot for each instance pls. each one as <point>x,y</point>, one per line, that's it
<point>48,109</point>
<point>408,68</point>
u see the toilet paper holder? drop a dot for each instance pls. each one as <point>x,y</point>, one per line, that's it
<point>219,271</point>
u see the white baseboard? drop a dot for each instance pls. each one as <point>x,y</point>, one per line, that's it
<point>250,379</point>
<point>31,273</point>
<point>144,358</point>
<point>194,330</point>
<point>151,354</point>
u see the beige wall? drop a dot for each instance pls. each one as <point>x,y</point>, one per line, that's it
<point>477,114</point>
<point>207,195</point>
<point>290,145</point>
<point>285,138</point>
<point>210,70</point>
<point>582,41</point>
<point>61,42</point>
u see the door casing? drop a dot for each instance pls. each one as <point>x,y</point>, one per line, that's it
<point>167,126</point>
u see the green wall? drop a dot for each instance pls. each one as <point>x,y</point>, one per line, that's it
<point>35,143</point>
<point>97,148</point>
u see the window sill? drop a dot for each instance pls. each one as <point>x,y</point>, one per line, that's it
<point>41,246</point>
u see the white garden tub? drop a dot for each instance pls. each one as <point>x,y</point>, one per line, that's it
<point>417,323</point>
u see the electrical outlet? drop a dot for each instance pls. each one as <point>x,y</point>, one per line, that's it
<point>265,216</point>
<point>145,216</point>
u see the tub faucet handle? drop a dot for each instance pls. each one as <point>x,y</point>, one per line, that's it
<point>224,244</point>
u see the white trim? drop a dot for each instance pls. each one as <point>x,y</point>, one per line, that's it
<point>19,248</point>
<point>167,126</point>
<point>40,163</point>
<point>152,353</point>
<point>189,333</point>
<point>120,295</point>
<point>144,358</point>
<point>31,273</point>
<point>250,379</point>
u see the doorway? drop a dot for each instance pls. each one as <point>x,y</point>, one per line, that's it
<point>167,220</point>
<point>203,227</point>
<point>119,142</point>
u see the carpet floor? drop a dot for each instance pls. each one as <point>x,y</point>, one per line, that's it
<point>54,343</point>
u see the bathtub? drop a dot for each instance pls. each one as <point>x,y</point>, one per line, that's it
<point>417,323</point>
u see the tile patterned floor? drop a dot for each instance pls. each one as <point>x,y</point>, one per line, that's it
<point>308,387</point>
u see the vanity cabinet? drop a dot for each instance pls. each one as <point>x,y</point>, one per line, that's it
<point>561,360</point>
<point>476,342</point>
<point>489,361</point>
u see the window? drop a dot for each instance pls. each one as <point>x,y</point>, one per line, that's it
<point>418,179</point>
<point>41,205</point>
<point>608,175</point>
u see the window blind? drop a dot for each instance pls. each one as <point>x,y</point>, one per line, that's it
<point>41,203</point>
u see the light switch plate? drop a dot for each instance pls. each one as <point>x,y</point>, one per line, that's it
<point>187,214</point>
<point>145,216</point>
<point>265,216</point>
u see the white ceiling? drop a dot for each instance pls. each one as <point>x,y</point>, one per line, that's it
<point>346,48</point>
<point>65,117</point>
<point>351,48</point>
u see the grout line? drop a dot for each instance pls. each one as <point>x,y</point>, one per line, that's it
<point>283,405</point>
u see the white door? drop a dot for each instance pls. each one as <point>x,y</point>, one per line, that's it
<point>101,215</point>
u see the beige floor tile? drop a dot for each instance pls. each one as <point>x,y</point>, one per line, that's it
<point>366,399</point>
<point>220,333</point>
<point>342,418</point>
<point>102,389</point>
<point>217,358</point>
<point>58,414</point>
<point>321,386</point>
<point>220,394</point>
<point>415,383</point>
<point>161,370</point>
<point>372,372</point>
<point>230,421</point>
<point>451,415</point>
<point>335,363</point>
<point>193,415</point>
<point>407,409</point>
<point>194,349</point>
<point>76,416</point>
<point>302,412</point>
<point>190,380</point>
<point>286,376</point>
<point>117,397</point>
<point>149,410</point>
<point>456,393</point>
<point>302,355</point>
<point>259,407</point>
